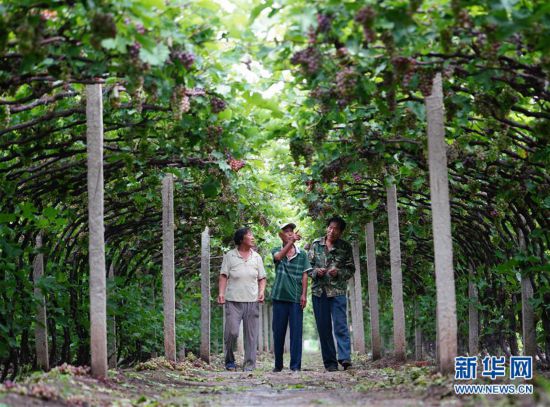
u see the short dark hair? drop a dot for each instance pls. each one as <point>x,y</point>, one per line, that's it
<point>239,235</point>
<point>337,219</point>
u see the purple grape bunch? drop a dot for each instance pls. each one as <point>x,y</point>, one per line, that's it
<point>324,21</point>
<point>187,59</point>
<point>214,131</point>
<point>140,29</point>
<point>320,93</point>
<point>311,35</point>
<point>346,83</point>
<point>218,105</point>
<point>425,83</point>
<point>133,50</point>
<point>180,102</point>
<point>366,17</point>
<point>309,59</point>
<point>405,68</point>
<point>195,92</point>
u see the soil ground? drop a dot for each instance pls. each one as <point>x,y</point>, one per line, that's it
<point>193,383</point>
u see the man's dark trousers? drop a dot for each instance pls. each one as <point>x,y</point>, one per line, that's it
<point>331,311</point>
<point>286,313</point>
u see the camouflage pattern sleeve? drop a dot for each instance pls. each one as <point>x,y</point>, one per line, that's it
<point>347,268</point>
<point>311,258</point>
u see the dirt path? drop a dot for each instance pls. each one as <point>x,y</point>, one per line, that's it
<point>157,383</point>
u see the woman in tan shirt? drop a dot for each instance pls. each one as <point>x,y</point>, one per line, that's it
<point>241,288</point>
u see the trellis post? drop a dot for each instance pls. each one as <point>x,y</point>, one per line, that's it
<point>223,328</point>
<point>352,311</point>
<point>373,292</point>
<point>527,312</point>
<point>260,329</point>
<point>287,339</point>
<point>441,224</point>
<point>359,328</point>
<point>41,328</point>
<point>96,245</point>
<point>417,332</point>
<point>396,275</point>
<point>111,338</point>
<point>240,339</point>
<point>168,266</point>
<point>473,315</point>
<point>270,325</point>
<point>266,327</point>
<point>205,296</point>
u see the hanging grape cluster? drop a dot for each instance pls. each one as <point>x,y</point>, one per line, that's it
<point>346,83</point>
<point>102,26</point>
<point>187,59</point>
<point>404,68</point>
<point>180,102</point>
<point>299,148</point>
<point>235,164</point>
<point>324,22</point>
<point>366,17</point>
<point>133,50</point>
<point>218,105</point>
<point>214,132</point>
<point>309,60</point>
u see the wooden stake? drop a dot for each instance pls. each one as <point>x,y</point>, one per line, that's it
<point>473,317</point>
<point>168,266</point>
<point>396,275</point>
<point>111,338</point>
<point>40,327</point>
<point>441,223</point>
<point>223,329</point>
<point>266,327</point>
<point>527,312</point>
<point>352,312</point>
<point>205,297</point>
<point>260,329</point>
<point>96,246</point>
<point>417,333</point>
<point>359,327</point>
<point>240,339</point>
<point>270,315</point>
<point>373,292</point>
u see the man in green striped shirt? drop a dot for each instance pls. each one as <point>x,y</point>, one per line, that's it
<point>289,295</point>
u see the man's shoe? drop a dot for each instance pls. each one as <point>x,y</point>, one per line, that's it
<point>332,369</point>
<point>230,366</point>
<point>277,369</point>
<point>248,369</point>
<point>346,364</point>
<point>295,370</point>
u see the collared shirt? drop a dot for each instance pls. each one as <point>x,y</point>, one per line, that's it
<point>242,275</point>
<point>339,257</point>
<point>288,276</point>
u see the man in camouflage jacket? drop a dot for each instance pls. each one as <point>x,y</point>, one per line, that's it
<point>332,265</point>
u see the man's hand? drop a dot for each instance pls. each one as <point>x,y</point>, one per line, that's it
<point>303,301</point>
<point>261,297</point>
<point>321,272</point>
<point>221,299</point>
<point>293,238</point>
<point>333,272</point>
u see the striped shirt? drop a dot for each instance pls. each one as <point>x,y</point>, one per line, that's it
<point>288,276</point>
